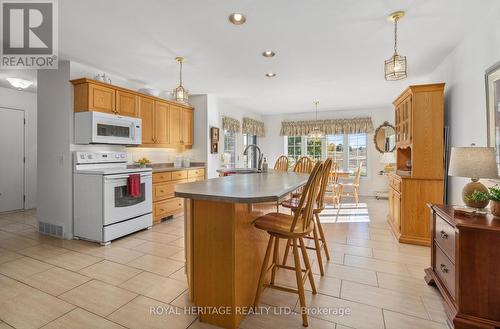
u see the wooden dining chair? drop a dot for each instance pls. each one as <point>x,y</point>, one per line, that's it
<point>332,186</point>
<point>303,165</point>
<point>351,189</point>
<point>293,228</point>
<point>319,206</point>
<point>281,164</point>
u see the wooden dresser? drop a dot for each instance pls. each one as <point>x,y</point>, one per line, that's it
<point>419,178</point>
<point>165,203</point>
<point>465,266</point>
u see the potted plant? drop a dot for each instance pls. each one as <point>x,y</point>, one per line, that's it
<point>143,162</point>
<point>494,197</point>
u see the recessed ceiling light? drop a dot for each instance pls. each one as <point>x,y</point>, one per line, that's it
<point>237,18</point>
<point>19,84</point>
<point>268,53</point>
<point>270,75</point>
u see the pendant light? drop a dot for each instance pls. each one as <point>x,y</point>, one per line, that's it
<point>395,67</point>
<point>316,133</point>
<point>180,94</point>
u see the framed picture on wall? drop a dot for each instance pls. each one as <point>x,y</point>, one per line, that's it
<point>214,134</point>
<point>493,108</point>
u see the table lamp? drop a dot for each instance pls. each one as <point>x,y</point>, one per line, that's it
<point>388,159</point>
<point>475,163</point>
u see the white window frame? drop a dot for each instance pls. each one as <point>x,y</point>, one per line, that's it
<point>345,151</point>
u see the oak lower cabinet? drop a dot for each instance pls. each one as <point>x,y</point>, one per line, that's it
<point>165,203</point>
<point>465,266</point>
<point>408,213</point>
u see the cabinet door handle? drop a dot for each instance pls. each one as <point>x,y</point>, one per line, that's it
<point>443,235</point>
<point>444,269</point>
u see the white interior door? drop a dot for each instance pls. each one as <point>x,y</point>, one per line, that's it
<point>11,159</point>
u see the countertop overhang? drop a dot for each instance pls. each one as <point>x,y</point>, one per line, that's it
<point>248,188</point>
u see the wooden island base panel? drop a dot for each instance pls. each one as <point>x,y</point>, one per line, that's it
<point>465,266</point>
<point>224,251</point>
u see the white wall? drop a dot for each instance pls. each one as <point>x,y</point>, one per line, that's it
<point>273,145</point>
<point>463,70</point>
<point>55,134</point>
<point>25,101</point>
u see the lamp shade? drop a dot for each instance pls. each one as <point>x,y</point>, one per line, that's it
<point>473,162</point>
<point>388,157</point>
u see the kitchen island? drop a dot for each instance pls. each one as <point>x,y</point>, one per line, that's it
<point>224,252</point>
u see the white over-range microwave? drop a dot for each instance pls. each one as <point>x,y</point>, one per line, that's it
<point>103,128</point>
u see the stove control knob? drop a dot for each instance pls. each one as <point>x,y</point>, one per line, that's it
<point>117,155</point>
<point>122,156</point>
<point>90,156</point>
<point>82,156</point>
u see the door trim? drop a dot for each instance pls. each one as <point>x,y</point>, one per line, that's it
<point>25,155</point>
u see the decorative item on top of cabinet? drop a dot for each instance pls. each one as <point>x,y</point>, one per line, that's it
<point>164,123</point>
<point>164,202</point>
<point>419,175</point>
<point>465,267</point>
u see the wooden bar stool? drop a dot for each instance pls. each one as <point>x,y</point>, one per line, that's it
<point>293,228</point>
<point>281,164</point>
<point>319,206</point>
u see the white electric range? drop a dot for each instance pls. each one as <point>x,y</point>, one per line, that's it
<point>103,210</point>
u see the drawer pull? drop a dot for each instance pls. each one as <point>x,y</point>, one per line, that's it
<point>443,235</point>
<point>161,191</point>
<point>444,269</point>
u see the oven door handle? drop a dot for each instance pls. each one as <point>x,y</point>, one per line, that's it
<point>120,177</point>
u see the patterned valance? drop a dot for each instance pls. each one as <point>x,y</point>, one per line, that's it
<point>329,127</point>
<point>253,127</point>
<point>231,124</point>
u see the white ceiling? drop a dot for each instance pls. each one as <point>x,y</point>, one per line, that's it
<point>330,50</point>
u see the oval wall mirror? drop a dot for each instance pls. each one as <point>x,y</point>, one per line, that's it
<point>385,138</point>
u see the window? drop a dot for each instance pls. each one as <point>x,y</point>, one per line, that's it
<point>335,149</point>
<point>229,148</point>
<point>347,150</point>
<point>251,159</point>
<point>294,149</point>
<point>314,148</point>
<point>357,152</point>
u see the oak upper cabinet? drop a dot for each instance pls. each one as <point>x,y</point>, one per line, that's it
<point>418,180</point>
<point>187,127</point>
<point>162,126</point>
<point>175,117</point>
<point>147,113</point>
<point>127,104</point>
<point>93,97</point>
<point>164,123</point>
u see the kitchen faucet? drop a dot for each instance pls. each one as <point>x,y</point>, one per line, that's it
<point>245,152</point>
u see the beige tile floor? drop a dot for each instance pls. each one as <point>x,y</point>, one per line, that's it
<point>51,283</point>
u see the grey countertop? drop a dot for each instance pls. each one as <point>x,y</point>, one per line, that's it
<point>163,169</point>
<point>249,188</point>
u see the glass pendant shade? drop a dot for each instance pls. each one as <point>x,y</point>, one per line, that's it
<point>316,133</point>
<point>395,68</point>
<point>180,94</point>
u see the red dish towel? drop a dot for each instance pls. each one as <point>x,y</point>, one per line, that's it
<point>134,185</point>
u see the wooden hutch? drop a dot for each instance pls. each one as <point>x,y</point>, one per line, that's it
<point>419,176</point>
